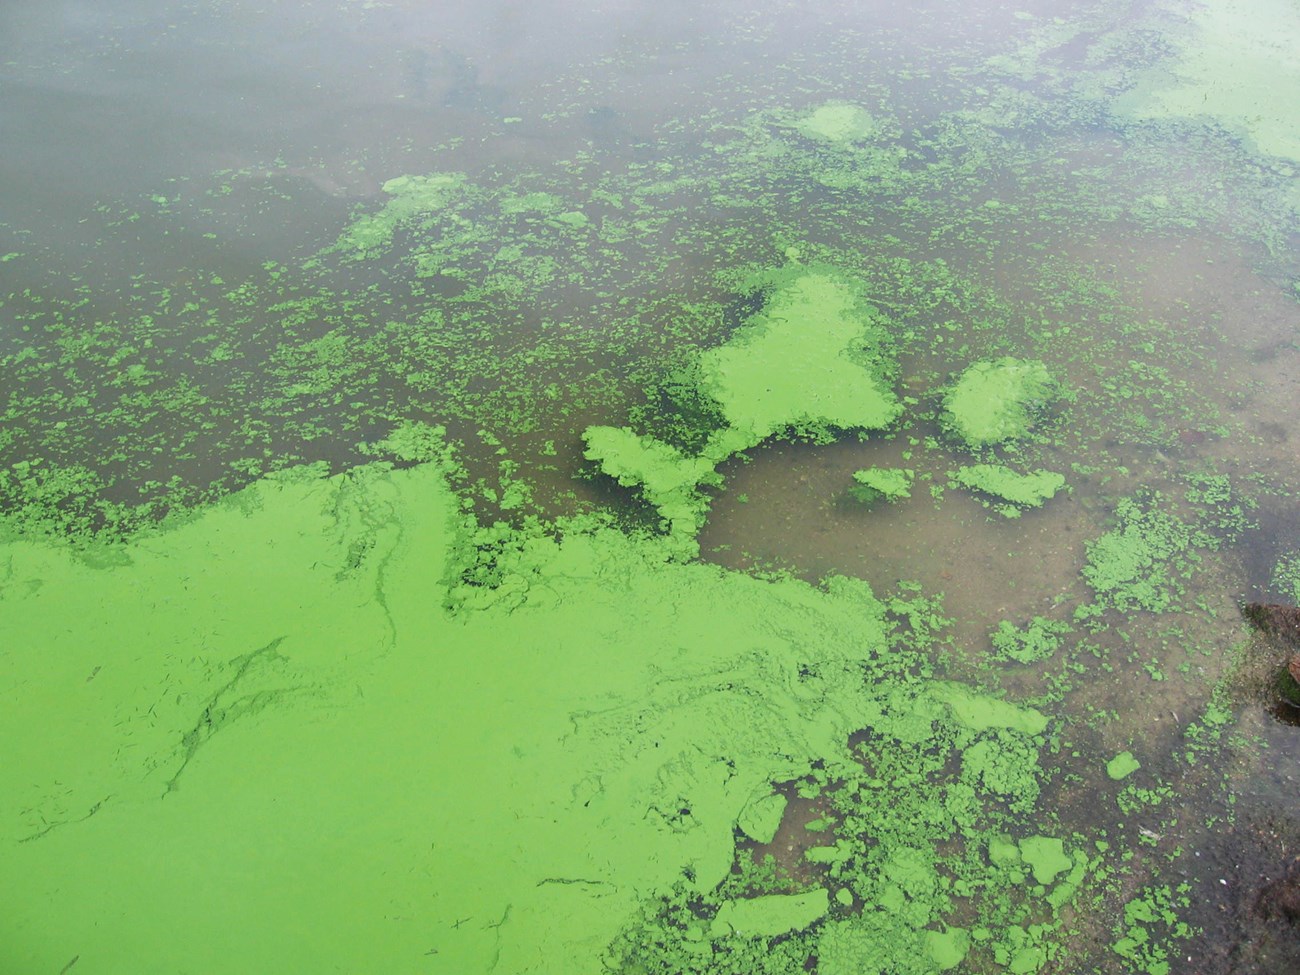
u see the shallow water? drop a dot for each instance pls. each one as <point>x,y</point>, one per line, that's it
<point>209,275</point>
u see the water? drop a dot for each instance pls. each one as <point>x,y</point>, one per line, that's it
<point>186,309</point>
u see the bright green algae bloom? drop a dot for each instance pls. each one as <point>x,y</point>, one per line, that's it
<point>667,477</point>
<point>1022,490</point>
<point>605,736</point>
<point>992,402</point>
<point>1122,766</point>
<point>1036,641</point>
<point>874,483</point>
<point>411,198</point>
<point>839,122</point>
<point>808,362</point>
<point>770,915</point>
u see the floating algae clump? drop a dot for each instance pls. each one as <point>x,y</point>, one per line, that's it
<point>1037,640</point>
<point>993,402</point>
<point>1046,857</point>
<point>770,915</point>
<point>1140,563</point>
<point>874,483</point>
<point>1122,766</point>
<point>412,197</point>
<point>809,362</point>
<point>1021,490</point>
<point>668,478</point>
<point>838,122</point>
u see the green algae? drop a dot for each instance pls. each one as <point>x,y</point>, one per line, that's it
<point>381,358</point>
<point>412,198</point>
<point>876,483</point>
<point>372,664</point>
<point>1122,766</point>
<point>809,363</point>
<point>1045,856</point>
<point>1141,563</point>
<point>771,914</point>
<point>359,550</point>
<point>762,816</point>
<point>668,478</point>
<point>1036,641</point>
<point>1020,490</point>
<point>1153,909</point>
<point>1217,73</point>
<point>1286,576</point>
<point>996,401</point>
<point>839,122</point>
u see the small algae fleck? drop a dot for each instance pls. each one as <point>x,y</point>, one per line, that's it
<point>1122,766</point>
<point>770,915</point>
<point>993,402</point>
<point>1022,490</point>
<point>875,483</point>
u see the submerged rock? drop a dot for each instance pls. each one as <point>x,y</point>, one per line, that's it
<point>1280,899</point>
<point>1282,625</point>
<point>1280,622</point>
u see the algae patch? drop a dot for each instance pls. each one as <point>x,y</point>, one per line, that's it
<point>808,363</point>
<point>993,402</point>
<point>1019,490</point>
<point>876,483</point>
<point>839,122</point>
<point>811,364</point>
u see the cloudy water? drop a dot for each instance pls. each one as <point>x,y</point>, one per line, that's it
<point>650,487</point>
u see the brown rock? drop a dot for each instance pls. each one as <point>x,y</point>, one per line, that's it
<point>1281,899</point>
<point>1272,619</point>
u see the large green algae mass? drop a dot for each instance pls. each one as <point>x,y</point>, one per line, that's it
<point>265,712</point>
<point>810,361</point>
<point>992,402</point>
<point>279,719</point>
<point>1234,62</point>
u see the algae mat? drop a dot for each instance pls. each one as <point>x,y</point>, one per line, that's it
<point>261,751</point>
